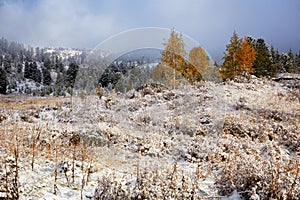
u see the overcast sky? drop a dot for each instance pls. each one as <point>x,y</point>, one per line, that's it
<point>85,23</point>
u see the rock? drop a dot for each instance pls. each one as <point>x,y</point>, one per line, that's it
<point>2,118</point>
<point>130,94</point>
<point>205,120</point>
<point>26,118</point>
<point>146,91</point>
<point>169,96</point>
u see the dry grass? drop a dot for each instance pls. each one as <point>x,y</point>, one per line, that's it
<point>156,145</point>
<point>22,102</point>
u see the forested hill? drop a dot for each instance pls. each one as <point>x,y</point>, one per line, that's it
<point>51,71</point>
<point>37,71</point>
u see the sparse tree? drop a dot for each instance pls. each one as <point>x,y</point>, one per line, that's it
<point>230,67</point>
<point>174,54</point>
<point>297,63</point>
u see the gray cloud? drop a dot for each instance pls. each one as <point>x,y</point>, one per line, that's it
<point>79,23</point>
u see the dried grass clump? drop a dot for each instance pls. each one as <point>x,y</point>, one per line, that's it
<point>9,179</point>
<point>294,95</point>
<point>270,173</point>
<point>172,183</point>
<point>32,146</point>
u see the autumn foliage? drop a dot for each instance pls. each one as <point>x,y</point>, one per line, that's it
<point>176,67</point>
<point>198,63</point>
<point>165,75</point>
<point>246,56</point>
<point>238,59</point>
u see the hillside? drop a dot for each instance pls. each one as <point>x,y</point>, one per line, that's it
<point>52,71</point>
<point>239,138</point>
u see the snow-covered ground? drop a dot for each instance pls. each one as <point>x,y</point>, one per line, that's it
<point>208,140</point>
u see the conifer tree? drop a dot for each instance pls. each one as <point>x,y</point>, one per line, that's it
<point>275,60</point>
<point>71,74</point>
<point>245,56</point>
<point>3,81</point>
<point>297,63</point>
<point>291,62</point>
<point>239,57</point>
<point>47,76</point>
<point>230,67</point>
<point>26,70</point>
<point>262,64</point>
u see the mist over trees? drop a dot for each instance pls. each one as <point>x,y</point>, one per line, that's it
<point>25,69</point>
<point>44,71</point>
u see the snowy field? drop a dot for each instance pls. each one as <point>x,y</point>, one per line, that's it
<point>238,140</point>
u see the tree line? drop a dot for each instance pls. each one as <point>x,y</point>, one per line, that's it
<point>242,57</point>
<point>51,72</point>
<point>253,56</point>
<point>54,74</point>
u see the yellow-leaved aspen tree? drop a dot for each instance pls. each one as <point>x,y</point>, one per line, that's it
<point>198,64</point>
<point>174,54</point>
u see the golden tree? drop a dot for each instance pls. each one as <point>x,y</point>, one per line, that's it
<point>162,74</point>
<point>174,54</point>
<point>246,56</point>
<point>238,59</point>
<point>198,64</point>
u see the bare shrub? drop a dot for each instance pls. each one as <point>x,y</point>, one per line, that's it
<point>269,174</point>
<point>172,183</point>
<point>100,92</point>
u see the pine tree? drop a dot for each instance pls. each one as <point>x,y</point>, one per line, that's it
<point>71,75</point>
<point>47,76</point>
<point>291,62</point>
<point>284,60</point>
<point>297,63</point>
<point>19,68</point>
<point>36,73</point>
<point>262,65</point>
<point>59,85</point>
<point>26,70</point>
<point>32,72</point>
<point>275,60</point>
<point>7,64</point>
<point>47,63</point>
<point>239,57</point>
<point>3,81</point>
<point>245,56</point>
<point>174,54</point>
<point>230,67</point>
